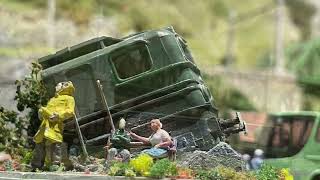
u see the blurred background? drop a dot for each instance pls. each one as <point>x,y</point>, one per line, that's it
<point>256,55</point>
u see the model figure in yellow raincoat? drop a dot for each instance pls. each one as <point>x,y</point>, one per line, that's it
<point>49,136</point>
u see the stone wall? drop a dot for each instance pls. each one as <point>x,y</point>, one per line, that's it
<point>7,93</point>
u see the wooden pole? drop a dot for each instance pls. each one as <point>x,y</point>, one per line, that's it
<point>83,146</point>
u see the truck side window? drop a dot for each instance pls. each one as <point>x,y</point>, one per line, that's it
<point>131,62</point>
<point>290,134</point>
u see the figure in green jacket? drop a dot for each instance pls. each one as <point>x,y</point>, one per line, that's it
<point>119,143</point>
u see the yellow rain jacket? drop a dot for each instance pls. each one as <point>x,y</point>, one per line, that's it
<point>63,105</point>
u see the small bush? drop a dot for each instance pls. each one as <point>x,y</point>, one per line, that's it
<point>162,168</point>
<point>27,157</point>
<point>232,174</point>
<point>223,173</point>
<point>142,164</point>
<point>121,169</point>
<point>13,132</point>
<point>31,94</point>
<point>267,172</point>
<point>208,175</point>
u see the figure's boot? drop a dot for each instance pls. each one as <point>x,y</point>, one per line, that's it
<point>39,155</point>
<point>56,153</point>
<point>64,156</point>
<point>49,148</point>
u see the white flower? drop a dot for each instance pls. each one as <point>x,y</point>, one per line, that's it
<point>24,133</point>
<point>10,126</point>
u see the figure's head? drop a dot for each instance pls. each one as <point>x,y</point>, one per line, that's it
<point>155,124</point>
<point>258,153</point>
<point>65,88</point>
<point>122,123</point>
<point>246,157</point>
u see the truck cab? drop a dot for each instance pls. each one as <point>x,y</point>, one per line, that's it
<point>147,75</point>
<point>293,142</point>
<point>288,139</point>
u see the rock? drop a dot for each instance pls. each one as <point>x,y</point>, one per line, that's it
<point>92,164</point>
<point>5,157</point>
<point>221,154</point>
<point>93,167</point>
<point>79,167</point>
<point>224,149</point>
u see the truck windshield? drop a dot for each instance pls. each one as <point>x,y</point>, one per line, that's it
<point>287,135</point>
<point>131,62</point>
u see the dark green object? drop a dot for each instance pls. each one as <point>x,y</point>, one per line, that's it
<point>163,168</point>
<point>301,152</point>
<point>147,75</point>
<point>292,140</point>
<point>120,139</point>
<point>307,61</point>
<point>267,172</point>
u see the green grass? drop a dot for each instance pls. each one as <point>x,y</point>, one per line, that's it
<point>202,23</point>
<point>24,52</point>
<point>18,6</point>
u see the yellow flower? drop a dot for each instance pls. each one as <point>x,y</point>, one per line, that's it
<point>142,164</point>
<point>285,173</point>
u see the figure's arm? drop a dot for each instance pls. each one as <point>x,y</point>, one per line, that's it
<point>165,143</point>
<point>125,139</point>
<point>44,113</point>
<point>68,111</point>
<point>139,138</point>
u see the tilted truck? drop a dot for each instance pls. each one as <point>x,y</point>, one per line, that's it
<point>289,140</point>
<point>147,75</point>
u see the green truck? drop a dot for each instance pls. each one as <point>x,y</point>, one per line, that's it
<point>147,75</point>
<point>294,143</point>
<point>289,140</point>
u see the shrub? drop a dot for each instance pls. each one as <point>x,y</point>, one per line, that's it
<point>208,175</point>
<point>142,164</point>
<point>27,157</point>
<point>13,132</point>
<point>162,168</point>
<point>31,94</point>
<point>121,169</point>
<point>223,173</point>
<point>232,174</point>
<point>267,172</point>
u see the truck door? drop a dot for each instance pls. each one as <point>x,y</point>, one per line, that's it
<point>312,155</point>
<point>308,160</point>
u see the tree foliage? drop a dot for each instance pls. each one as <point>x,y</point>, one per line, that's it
<point>31,94</point>
<point>227,97</point>
<point>13,131</point>
<point>301,13</point>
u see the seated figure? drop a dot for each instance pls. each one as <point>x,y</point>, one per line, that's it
<point>160,140</point>
<point>119,142</point>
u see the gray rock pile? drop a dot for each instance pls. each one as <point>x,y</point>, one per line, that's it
<point>222,154</point>
<point>92,164</point>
